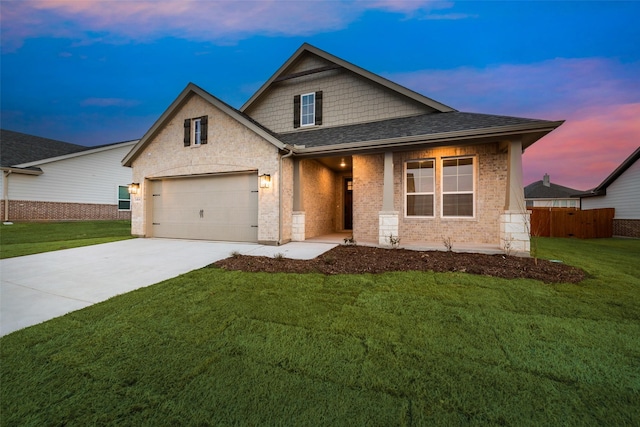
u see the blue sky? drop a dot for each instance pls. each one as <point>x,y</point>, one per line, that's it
<point>96,72</point>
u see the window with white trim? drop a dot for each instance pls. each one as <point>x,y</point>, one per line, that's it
<point>458,192</point>
<point>308,109</point>
<point>124,198</point>
<point>419,188</point>
<point>196,129</point>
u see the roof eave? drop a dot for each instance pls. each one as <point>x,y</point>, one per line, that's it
<point>466,136</point>
<point>89,150</point>
<point>22,171</point>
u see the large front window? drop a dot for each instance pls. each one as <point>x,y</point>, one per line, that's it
<point>420,187</point>
<point>308,109</point>
<point>457,187</point>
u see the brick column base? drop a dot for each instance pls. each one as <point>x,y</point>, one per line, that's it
<point>297,227</point>
<point>514,232</point>
<point>388,225</point>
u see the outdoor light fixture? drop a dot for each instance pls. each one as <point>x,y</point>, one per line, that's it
<point>134,188</point>
<point>265,181</point>
<point>342,163</point>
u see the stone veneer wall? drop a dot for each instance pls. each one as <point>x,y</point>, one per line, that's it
<point>626,228</point>
<point>319,198</point>
<point>231,147</point>
<point>490,183</point>
<point>26,210</point>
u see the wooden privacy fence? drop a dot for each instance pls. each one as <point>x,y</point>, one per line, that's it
<point>570,222</point>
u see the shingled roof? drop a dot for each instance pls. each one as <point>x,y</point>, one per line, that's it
<point>537,190</point>
<point>414,127</point>
<point>18,148</point>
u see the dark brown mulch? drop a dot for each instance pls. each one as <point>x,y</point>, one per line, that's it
<point>364,259</point>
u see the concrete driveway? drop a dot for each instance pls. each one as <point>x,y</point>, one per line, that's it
<point>36,288</point>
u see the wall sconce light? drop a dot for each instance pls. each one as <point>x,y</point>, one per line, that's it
<point>134,188</point>
<point>265,181</point>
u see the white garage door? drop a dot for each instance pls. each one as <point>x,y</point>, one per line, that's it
<point>222,207</point>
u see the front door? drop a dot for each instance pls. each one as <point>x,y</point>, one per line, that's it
<point>348,204</point>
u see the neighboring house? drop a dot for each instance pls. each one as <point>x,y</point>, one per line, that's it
<point>326,146</point>
<point>620,190</point>
<point>44,179</point>
<point>545,194</point>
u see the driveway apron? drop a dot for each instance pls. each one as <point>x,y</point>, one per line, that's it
<point>36,288</point>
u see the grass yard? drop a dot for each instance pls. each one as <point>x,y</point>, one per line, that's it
<point>215,347</point>
<point>26,238</point>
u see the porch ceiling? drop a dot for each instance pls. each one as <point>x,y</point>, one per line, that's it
<point>335,163</point>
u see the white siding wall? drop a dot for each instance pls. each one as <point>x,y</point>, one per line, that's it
<point>623,195</point>
<point>89,178</point>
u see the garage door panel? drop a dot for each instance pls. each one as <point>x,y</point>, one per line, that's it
<point>209,208</point>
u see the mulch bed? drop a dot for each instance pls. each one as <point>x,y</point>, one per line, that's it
<point>364,259</point>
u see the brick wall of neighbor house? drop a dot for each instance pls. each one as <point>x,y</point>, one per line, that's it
<point>319,198</point>
<point>27,210</point>
<point>231,147</point>
<point>490,182</point>
<point>626,228</point>
<point>347,99</point>
<point>367,196</point>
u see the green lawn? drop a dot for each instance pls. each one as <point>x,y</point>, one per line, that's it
<point>216,347</point>
<point>28,238</point>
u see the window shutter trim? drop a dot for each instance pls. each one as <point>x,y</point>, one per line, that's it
<point>204,121</point>
<point>318,118</point>
<point>296,111</point>
<point>187,132</point>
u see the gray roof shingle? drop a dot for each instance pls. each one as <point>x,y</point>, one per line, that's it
<point>537,190</point>
<point>425,124</point>
<point>17,148</point>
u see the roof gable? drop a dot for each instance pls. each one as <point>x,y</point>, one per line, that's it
<point>601,189</point>
<point>291,69</point>
<point>537,190</point>
<point>189,91</point>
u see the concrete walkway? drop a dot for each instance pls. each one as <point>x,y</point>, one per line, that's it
<point>36,288</point>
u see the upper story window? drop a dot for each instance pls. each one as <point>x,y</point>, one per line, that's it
<point>458,190</point>
<point>307,109</point>
<point>419,188</point>
<point>124,198</point>
<point>196,131</point>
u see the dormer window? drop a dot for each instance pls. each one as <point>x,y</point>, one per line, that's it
<point>195,131</point>
<point>307,109</point>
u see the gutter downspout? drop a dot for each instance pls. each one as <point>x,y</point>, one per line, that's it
<point>289,154</point>
<point>5,194</point>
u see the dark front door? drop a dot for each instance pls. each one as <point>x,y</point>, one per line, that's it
<point>348,204</point>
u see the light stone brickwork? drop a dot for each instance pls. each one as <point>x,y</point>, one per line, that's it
<point>298,227</point>
<point>514,232</point>
<point>347,99</point>
<point>388,227</point>
<point>231,148</point>
<point>367,196</point>
<point>490,192</point>
<point>318,186</point>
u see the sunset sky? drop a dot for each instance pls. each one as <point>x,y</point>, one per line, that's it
<point>97,72</point>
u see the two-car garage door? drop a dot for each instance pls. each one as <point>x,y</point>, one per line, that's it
<point>221,207</point>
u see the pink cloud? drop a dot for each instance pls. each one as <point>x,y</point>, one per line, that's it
<point>599,99</point>
<point>108,102</point>
<point>218,21</point>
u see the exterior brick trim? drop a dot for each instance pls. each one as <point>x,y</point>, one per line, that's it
<point>626,228</point>
<point>26,210</point>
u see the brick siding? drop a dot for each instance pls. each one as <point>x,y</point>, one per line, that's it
<point>25,210</point>
<point>626,228</point>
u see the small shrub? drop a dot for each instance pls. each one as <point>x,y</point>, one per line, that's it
<point>279,256</point>
<point>394,241</point>
<point>447,243</point>
<point>508,246</point>
<point>235,254</point>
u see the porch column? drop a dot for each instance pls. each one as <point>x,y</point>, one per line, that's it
<point>298,220</point>
<point>515,220</point>
<point>388,220</point>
